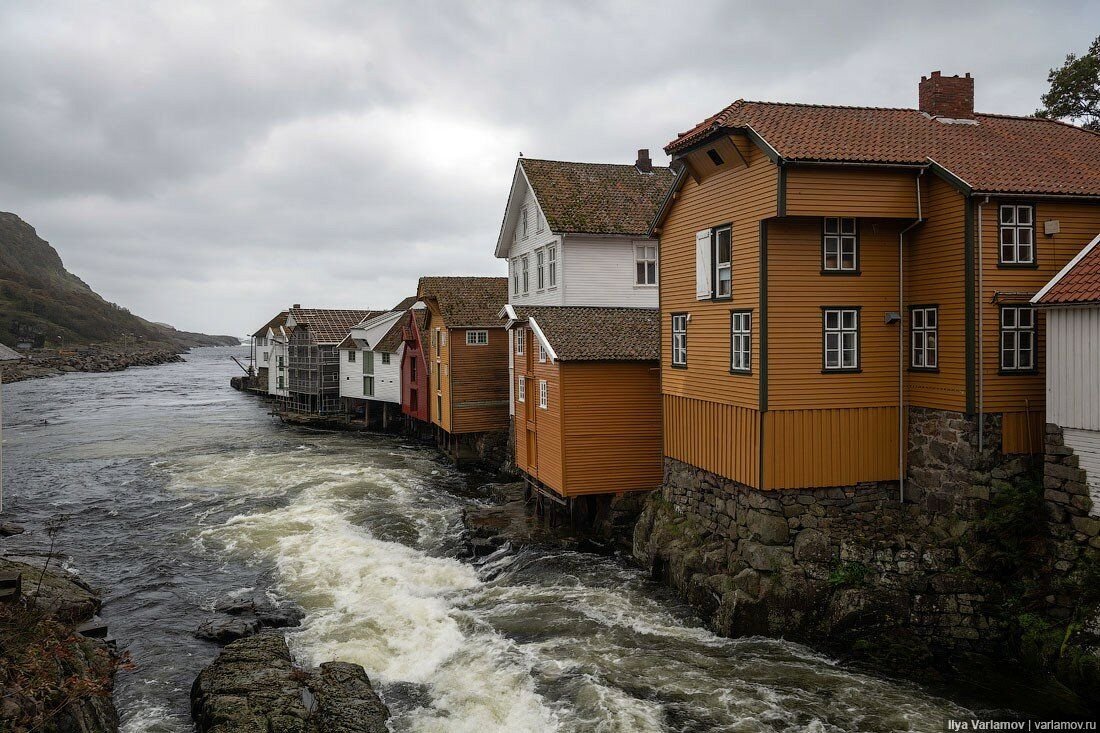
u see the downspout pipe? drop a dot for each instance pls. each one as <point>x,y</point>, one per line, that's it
<point>981,335</point>
<point>901,342</point>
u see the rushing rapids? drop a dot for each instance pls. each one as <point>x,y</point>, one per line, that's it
<point>181,493</point>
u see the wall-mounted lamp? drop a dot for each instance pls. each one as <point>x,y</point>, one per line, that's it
<point>892,317</point>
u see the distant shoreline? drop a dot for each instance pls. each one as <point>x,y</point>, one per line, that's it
<point>43,363</point>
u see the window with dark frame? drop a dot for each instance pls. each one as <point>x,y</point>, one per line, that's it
<point>1017,338</point>
<point>841,338</point>
<point>1017,234</point>
<point>679,339</point>
<point>839,245</point>
<point>740,341</point>
<point>540,269</point>
<point>924,337</point>
<point>723,262</point>
<point>351,356</point>
<point>526,263</point>
<point>515,277</point>
<point>385,358</point>
<point>368,386</point>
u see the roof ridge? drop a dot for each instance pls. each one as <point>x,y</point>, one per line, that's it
<point>581,162</point>
<point>831,106</point>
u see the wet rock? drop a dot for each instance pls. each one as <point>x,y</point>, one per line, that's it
<point>247,617</point>
<point>254,685</point>
<point>61,594</point>
<point>10,529</point>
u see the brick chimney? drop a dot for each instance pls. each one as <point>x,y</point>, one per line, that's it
<point>947,96</point>
<point>644,164</point>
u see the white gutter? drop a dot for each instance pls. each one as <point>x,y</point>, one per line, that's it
<point>534,326</point>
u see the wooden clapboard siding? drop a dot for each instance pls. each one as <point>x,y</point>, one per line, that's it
<point>715,436</point>
<point>796,292</point>
<point>1022,432</point>
<point>438,358</point>
<point>741,197</point>
<point>478,382</point>
<point>1079,223</point>
<point>849,191</point>
<point>935,274</point>
<point>1073,363</point>
<point>611,426</point>
<point>830,447</point>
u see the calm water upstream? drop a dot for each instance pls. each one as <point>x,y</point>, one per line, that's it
<point>183,492</point>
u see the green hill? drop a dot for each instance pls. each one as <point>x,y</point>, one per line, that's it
<point>43,303</point>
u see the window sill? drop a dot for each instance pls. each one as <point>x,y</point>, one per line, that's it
<point>741,372</point>
<point>1017,265</point>
<point>842,273</point>
<point>1017,372</point>
<point>857,370</point>
<point>679,366</point>
<point>641,286</point>
<point>926,370</point>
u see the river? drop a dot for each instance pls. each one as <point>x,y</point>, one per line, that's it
<point>180,492</point>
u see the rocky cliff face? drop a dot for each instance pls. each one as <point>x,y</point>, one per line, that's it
<point>44,303</point>
<point>254,685</point>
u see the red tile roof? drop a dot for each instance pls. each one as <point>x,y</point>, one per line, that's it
<point>330,326</point>
<point>1078,282</point>
<point>596,198</point>
<point>998,154</point>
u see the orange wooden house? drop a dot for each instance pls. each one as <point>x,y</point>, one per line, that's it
<point>585,327</point>
<point>467,358</point>
<point>843,287</point>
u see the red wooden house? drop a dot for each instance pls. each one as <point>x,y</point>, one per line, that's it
<point>415,394</point>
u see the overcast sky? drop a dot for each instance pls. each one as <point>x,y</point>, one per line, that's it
<point>208,164</point>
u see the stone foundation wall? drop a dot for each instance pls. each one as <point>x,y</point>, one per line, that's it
<point>1075,533</point>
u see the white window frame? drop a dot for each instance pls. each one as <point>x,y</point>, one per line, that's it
<point>524,225</point>
<point>1016,234</point>
<point>839,242</point>
<point>1018,338</point>
<point>679,339</point>
<point>721,266</point>
<point>540,270</point>
<point>521,389</point>
<point>479,337</point>
<point>840,336</point>
<point>515,277</point>
<point>442,338</point>
<point>521,339</point>
<point>385,357</point>
<point>552,265</point>
<point>351,356</point>
<point>924,339</point>
<point>645,266</point>
<point>267,356</point>
<point>741,341</point>
<point>544,394</point>
<point>542,353</point>
<point>538,221</point>
<point>525,261</point>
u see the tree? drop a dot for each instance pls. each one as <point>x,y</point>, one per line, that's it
<point>1075,90</point>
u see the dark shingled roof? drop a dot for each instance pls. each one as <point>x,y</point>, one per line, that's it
<point>999,154</point>
<point>467,302</point>
<point>405,304</point>
<point>392,339</point>
<point>1079,281</point>
<point>597,198</point>
<point>330,326</point>
<point>583,333</point>
<point>279,320</point>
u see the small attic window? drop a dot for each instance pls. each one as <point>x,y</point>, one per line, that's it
<point>715,157</point>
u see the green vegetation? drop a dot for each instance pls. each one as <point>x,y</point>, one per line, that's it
<point>849,574</point>
<point>1009,538</point>
<point>1075,90</point>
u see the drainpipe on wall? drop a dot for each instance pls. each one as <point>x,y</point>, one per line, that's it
<point>901,344</point>
<point>981,336</point>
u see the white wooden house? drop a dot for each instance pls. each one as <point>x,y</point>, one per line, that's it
<point>1072,304</point>
<point>262,343</point>
<point>370,367</point>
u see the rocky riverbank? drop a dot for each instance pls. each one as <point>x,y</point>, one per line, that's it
<point>41,363</point>
<point>53,677</point>
<point>255,685</point>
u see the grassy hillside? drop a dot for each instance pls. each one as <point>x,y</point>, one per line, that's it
<point>41,300</point>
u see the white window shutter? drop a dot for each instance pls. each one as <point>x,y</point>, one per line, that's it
<point>703,279</point>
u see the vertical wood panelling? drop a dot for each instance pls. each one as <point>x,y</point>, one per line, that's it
<point>832,447</point>
<point>1022,432</point>
<point>1086,445</point>
<point>717,437</point>
<point>1073,367</point>
<point>479,382</point>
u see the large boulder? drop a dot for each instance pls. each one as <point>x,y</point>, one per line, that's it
<point>255,687</point>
